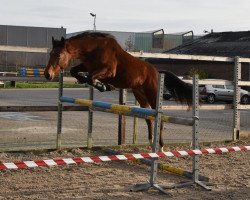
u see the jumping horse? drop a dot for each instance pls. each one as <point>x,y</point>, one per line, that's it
<point>109,66</point>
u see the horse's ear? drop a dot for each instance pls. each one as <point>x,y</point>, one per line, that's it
<point>63,40</point>
<point>53,41</point>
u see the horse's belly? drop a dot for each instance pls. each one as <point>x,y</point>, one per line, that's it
<point>124,82</point>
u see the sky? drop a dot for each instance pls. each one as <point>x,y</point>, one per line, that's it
<point>129,15</point>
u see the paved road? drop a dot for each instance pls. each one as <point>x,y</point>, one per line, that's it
<point>39,128</point>
<point>49,96</point>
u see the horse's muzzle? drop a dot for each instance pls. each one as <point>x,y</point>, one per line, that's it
<point>47,76</point>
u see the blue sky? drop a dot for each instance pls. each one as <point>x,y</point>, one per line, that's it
<point>130,15</point>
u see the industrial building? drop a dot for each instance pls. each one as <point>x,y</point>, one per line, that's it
<point>225,44</point>
<point>150,41</point>
<point>30,37</point>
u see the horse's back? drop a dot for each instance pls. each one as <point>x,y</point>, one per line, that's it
<point>135,69</point>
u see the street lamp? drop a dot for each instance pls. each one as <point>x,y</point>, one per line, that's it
<point>93,15</point>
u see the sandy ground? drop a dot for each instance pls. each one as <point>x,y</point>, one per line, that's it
<point>229,176</point>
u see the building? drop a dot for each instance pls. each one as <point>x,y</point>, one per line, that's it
<point>150,41</point>
<point>26,36</point>
<point>226,44</point>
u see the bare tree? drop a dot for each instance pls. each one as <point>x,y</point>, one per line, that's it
<point>129,45</point>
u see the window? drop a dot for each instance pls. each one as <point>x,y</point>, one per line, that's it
<point>218,86</point>
<point>230,87</point>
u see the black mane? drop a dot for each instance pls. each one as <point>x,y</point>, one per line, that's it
<point>91,34</point>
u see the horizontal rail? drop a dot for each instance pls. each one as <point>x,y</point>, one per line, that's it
<point>126,110</point>
<point>243,83</point>
<point>27,78</point>
<point>187,57</point>
<point>8,73</point>
<point>85,108</point>
<point>41,108</point>
<point>136,54</point>
<point>243,107</point>
<point>23,49</point>
<point>214,82</point>
<point>96,159</point>
<point>201,107</point>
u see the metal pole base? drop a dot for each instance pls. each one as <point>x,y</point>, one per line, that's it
<point>147,186</point>
<point>202,184</point>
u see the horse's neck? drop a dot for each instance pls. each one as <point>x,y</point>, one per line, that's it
<point>79,48</point>
<point>75,49</point>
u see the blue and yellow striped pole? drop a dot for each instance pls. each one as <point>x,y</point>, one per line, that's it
<point>26,72</point>
<point>126,110</point>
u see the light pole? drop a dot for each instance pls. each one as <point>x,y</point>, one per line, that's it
<point>93,15</point>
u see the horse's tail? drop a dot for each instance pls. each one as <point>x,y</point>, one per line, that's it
<point>179,90</point>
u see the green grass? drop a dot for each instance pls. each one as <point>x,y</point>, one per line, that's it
<point>44,85</point>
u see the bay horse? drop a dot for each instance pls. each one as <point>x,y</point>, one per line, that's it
<point>109,66</point>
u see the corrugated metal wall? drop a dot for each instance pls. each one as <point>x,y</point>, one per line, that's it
<point>26,36</point>
<point>172,41</point>
<point>143,42</point>
<point>123,38</point>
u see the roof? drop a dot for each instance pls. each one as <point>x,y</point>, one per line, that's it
<point>228,44</point>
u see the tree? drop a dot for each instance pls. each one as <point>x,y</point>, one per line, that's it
<point>129,45</point>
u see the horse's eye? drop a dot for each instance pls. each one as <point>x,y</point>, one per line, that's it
<point>54,53</point>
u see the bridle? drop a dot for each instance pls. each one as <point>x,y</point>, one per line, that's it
<point>53,51</point>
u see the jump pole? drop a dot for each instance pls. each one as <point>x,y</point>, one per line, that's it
<point>144,113</point>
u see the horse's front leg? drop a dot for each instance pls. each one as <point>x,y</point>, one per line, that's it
<point>161,142</point>
<point>98,75</point>
<point>75,72</point>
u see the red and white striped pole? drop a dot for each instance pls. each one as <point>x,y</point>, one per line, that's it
<point>95,159</point>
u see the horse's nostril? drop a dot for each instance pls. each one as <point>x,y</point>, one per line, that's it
<point>47,76</point>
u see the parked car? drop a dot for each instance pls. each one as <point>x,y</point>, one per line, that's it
<point>212,93</point>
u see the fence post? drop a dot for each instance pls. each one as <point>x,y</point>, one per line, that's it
<point>157,126</point>
<point>59,112</point>
<point>90,120</point>
<point>122,118</point>
<point>237,77</point>
<point>195,137</point>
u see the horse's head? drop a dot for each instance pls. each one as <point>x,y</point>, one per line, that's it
<point>59,59</point>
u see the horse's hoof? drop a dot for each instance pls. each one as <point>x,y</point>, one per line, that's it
<point>110,87</point>
<point>83,79</point>
<point>101,87</point>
